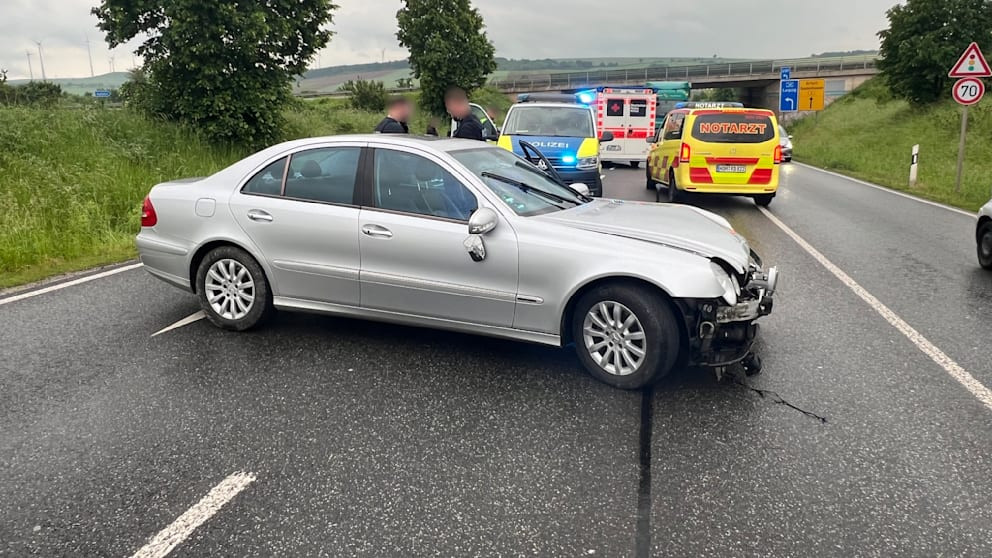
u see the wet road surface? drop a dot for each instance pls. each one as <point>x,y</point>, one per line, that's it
<point>366,439</point>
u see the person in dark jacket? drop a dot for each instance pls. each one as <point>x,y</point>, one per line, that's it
<point>469,126</point>
<point>398,113</point>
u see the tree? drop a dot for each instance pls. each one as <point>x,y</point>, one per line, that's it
<point>225,67</point>
<point>366,95</point>
<point>448,47</point>
<point>924,39</point>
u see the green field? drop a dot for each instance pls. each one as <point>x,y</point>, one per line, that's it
<point>74,176</point>
<point>869,135</point>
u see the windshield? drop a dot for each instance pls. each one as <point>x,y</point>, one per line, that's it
<point>563,121</point>
<point>502,163</point>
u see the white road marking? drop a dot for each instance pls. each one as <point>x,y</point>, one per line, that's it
<point>890,190</point>
<point>72,283</point>
<point>169,538</point>
<point>192,318</point>
<point>976,388</point>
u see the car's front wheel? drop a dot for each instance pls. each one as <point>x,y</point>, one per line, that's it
<point>985,245</point>
<point>625,335</point>
<point>232,288</point>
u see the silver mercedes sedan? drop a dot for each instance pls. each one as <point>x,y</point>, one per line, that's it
<point>458,235</point>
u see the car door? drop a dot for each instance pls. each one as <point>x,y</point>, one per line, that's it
<point>300,212</point>
<point>665,152</point>
<point>413,226</point>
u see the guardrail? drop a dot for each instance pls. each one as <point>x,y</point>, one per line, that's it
<point>757,69</point>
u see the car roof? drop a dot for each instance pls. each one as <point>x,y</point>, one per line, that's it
<point>729,110</point>
<point>551,104</point>
<point>410,140</point>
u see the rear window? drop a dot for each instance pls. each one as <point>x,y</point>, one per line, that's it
<point>733,127</point>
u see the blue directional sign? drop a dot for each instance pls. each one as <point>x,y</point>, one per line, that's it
<point>786,73</point>
<point>101,93</point>
<point>788,97</point>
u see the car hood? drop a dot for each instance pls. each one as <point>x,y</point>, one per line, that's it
<point>682,227</point>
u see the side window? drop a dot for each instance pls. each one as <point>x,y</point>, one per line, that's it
<point>673,128</point>
<point>638,107</point>
<point>412,184</point>
<point>614,107</point>
<point>324,175</point>
<point>268,181</point>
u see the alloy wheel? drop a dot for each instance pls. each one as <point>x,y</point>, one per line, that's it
<point>614,338</point>
<point>230,289</point>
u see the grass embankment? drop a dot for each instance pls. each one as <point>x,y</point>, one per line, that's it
<point>869,135</point>
<point>72,179</point>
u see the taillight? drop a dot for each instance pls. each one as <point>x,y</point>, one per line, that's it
<point>778,154</point>
<point>685,154</point>
<point>148,217</point>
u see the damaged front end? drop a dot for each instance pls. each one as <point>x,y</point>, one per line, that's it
<point>722,331</point>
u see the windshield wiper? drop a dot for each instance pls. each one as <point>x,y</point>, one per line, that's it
<point>528,188</point>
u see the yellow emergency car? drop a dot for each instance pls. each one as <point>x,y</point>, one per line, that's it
<point>716,148</point>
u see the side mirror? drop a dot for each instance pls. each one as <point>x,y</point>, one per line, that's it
<point>482,221</point>
<point>649,139</point>
<point>581,188</point>
<point>607,136</point>
<point>790,136</point>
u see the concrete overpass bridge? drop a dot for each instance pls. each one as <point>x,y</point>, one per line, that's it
<point>758,80</point>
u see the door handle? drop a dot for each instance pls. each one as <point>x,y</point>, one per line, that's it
<point>260,216</point>
<point>377,231</point>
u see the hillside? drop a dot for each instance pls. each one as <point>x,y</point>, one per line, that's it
<point>869,135</point>
<point>80,86</point>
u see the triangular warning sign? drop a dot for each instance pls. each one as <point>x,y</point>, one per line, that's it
<point>971,64</point>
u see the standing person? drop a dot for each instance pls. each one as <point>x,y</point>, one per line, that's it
<point>469,126</point>
<point>398,112</point>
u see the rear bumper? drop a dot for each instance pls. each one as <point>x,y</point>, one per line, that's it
<point>701,180</point>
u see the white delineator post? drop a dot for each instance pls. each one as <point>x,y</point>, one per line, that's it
<point>913,165</point>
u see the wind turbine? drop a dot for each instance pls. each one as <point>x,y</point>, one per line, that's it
<point>30,69</point>
<point>89,54</point>
<point>41,60</point>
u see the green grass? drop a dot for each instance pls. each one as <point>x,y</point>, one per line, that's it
<point>72,178</point>
<point>869,135</point>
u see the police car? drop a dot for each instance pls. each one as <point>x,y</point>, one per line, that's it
<point>564,130</point>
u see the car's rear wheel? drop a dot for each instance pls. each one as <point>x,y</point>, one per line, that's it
<point>232,288</point>
<point>674,194</point>
<point>764,200</point>
<point>635,164</point>
<point>985,245</point>
<point>625,335</point>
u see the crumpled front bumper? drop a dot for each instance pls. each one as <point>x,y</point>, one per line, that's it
<point>724,334</point>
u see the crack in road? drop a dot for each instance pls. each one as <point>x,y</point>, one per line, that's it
<point>643,536</point>
<point>774,397</point>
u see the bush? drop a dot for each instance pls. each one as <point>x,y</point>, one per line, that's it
<point>366,95</point>
<point>34,93</point>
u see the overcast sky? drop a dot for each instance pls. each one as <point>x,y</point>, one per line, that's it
<point>519,29</point>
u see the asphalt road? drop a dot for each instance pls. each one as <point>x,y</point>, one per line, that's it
<point>374,440</point>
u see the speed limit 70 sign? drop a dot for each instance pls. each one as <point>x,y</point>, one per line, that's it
<point>969,90</point>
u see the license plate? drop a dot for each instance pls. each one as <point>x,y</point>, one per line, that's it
<point>731,168</point>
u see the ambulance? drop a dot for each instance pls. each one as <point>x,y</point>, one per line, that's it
<point>629,114</point>
<point>716,148</point>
